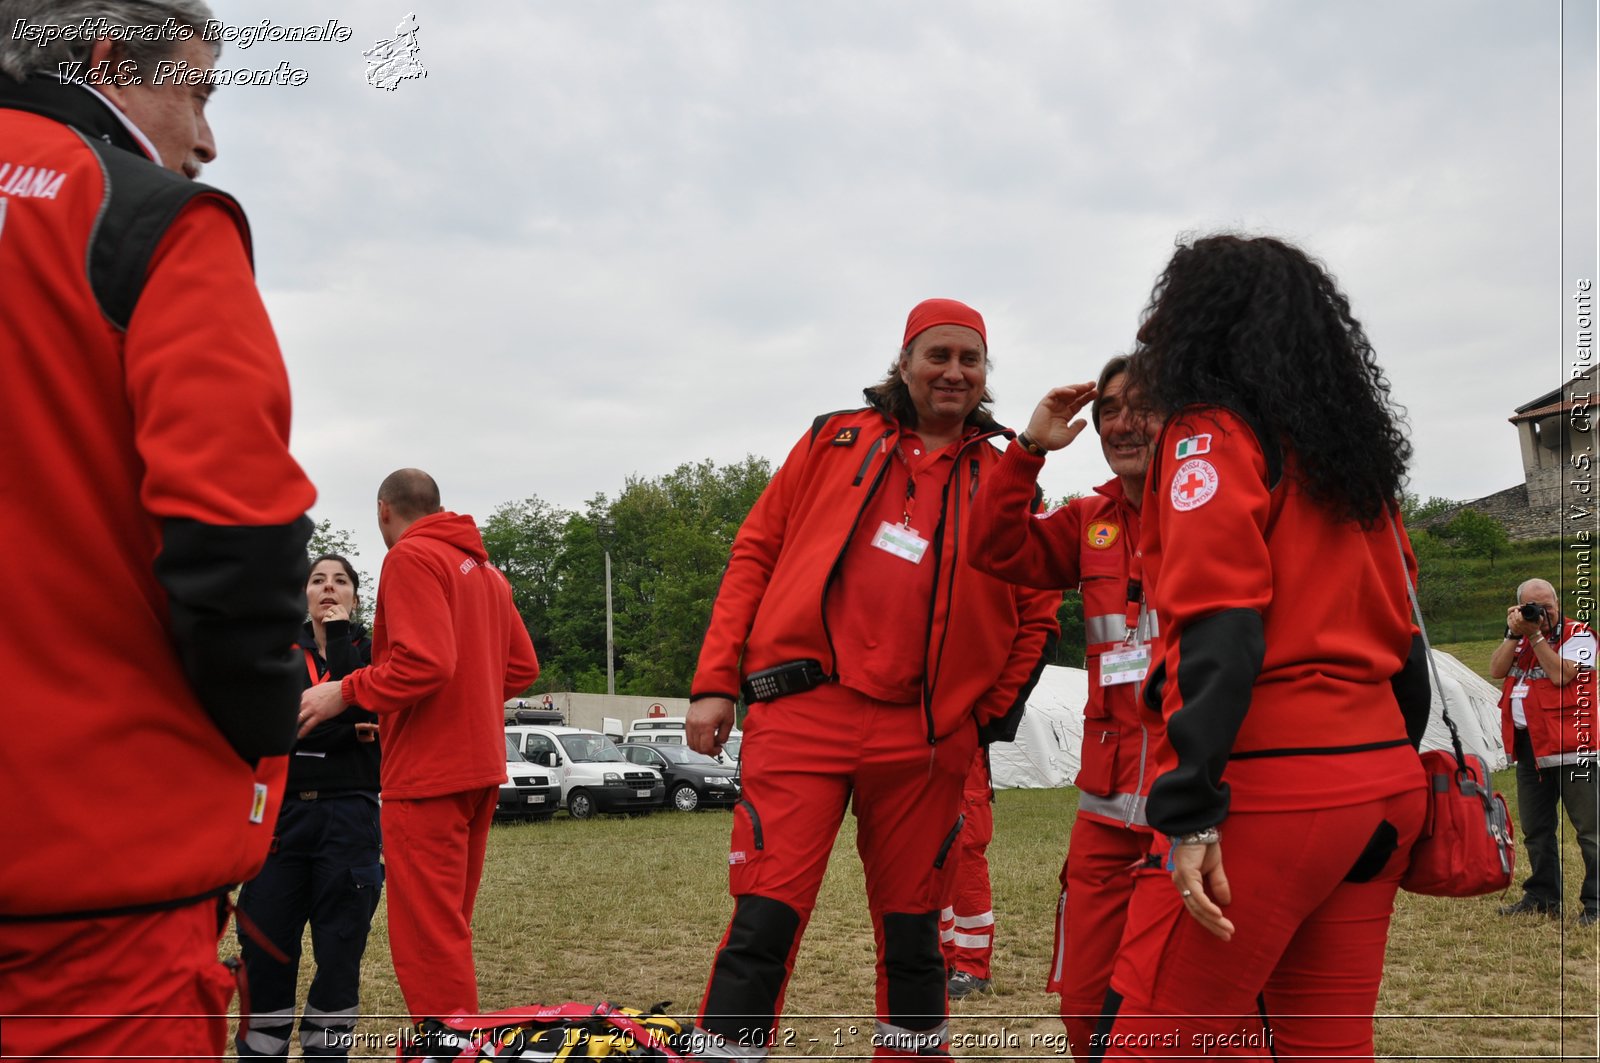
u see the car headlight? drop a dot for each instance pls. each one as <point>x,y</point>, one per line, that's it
<point>613,779</point>
<point>716,780</point>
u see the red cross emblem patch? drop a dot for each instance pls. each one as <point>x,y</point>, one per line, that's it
<point>1193,484</point>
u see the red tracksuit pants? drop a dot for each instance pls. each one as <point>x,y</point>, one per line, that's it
<point>1313,892</point>
<point>966,925</point>
<point>803,760</point>
<point>435,848</point>
<point>146,985</point>
<point>1096,885</point>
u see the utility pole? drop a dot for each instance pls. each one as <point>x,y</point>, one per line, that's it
<point>611,653</point>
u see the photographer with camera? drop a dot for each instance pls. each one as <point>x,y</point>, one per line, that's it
<point>1547,713</point>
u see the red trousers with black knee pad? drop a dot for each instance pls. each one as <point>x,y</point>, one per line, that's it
<point>804,759</point>
<point>1313,892</point>
<point>435,848</point>
<point>147,985</point>
<point>1096,884</point>
<point>966,924</point>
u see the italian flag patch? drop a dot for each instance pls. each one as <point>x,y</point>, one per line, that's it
<point>1188,448</point>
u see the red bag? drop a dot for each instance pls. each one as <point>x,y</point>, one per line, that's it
<point>1466,848</point>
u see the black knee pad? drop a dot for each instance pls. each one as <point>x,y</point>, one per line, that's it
<point>1384,841</point>
<point>913,965</point>
<point>751,967</point>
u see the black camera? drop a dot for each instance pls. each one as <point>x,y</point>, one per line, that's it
<point>1533,614</point>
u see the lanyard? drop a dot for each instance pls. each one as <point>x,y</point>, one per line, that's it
<point>311,667</point>
<point>909,505</point>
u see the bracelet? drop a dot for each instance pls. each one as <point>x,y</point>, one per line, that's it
<point>1536,641</point>
<point>1026,442</point>
<point>1209,836</point>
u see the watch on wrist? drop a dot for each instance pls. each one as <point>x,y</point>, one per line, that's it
<point>1026,442</point>
<point>1209,836</point>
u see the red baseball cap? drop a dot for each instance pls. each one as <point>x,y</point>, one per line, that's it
<point>930,312</point>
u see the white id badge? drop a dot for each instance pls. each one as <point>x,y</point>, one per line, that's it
<point>1124,666</point>
<point>901,541</point>
<point>1519,691</point>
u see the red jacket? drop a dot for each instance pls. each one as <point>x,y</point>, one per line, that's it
<point>985,636</point>
<point>1561,720</point>
<point>448,649</point>
<point>1089,543</point>
<point>1288,633</point>
<point>154,534</point>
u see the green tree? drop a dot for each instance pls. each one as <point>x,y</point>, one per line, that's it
<point>1477,535</point>
<point>326,539</point>
<point>1414,511</point>
<point>524,540</point>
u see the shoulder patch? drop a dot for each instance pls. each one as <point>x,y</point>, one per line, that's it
<point>1194,484</point>
<point>1193,446</point>
<point>1099,535</point>
<point>846,437</point>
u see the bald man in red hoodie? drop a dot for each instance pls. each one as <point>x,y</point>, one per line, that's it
<point>448,648</point>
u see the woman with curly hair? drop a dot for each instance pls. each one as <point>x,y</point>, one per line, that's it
<point>1293,682</point>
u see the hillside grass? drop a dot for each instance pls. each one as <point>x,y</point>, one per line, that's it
<point>1465,599</point>
<point>630,910</point>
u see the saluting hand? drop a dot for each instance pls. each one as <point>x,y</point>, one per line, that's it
<point>1052,425</point>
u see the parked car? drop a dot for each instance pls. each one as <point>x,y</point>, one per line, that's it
<point>527,792</point>
<point>592,773</point>
<point>669,731</point>
<point>693,779</point>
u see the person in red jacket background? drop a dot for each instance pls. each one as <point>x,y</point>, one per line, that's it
<point>870,654</point>
<point>1292,678</point>
<point>1089,543</point>
<point>154,540</point>
<point>1547,716</point>
<point>966,925</point>
<point>448,649</point>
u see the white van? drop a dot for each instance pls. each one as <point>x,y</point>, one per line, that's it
<point>593,774</point>
<point>669,730</point>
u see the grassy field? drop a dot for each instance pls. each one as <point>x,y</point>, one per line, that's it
<point>1465,598</point>
<point>630,910</point>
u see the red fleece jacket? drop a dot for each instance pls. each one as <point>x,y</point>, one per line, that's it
<point>448,648</point>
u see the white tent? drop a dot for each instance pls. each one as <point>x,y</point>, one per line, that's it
<point>1046,750</point>
<point>1474,708</point>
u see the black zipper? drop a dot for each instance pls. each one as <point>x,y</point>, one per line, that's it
<point>929,676</point>
<point>872,489</point>
<point>755,822</point>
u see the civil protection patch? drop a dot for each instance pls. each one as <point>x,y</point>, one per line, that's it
<point>846,436</point>
<point>1099,535</point>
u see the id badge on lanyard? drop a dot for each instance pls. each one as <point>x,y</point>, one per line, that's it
<point>1132,663</point>
<point>902,539</point>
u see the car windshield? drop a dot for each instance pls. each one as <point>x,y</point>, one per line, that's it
<point>590,748</point>
<point>513,756</point>
<point>731,747</point>
<point>684,755</point>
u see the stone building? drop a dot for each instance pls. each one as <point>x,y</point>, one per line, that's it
<point>1551,430</point>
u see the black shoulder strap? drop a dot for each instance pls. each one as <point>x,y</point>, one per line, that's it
<point>141,202</point>
<point>824,418</point>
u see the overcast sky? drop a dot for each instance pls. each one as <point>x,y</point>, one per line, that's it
<point>602,239</point>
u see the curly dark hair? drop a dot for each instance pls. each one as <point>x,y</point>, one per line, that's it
<point>1257,325</point>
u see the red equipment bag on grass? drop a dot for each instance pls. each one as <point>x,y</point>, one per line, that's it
<point>1466,848</point>
<point>547,1034</point>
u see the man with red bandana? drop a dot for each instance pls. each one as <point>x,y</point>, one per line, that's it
<point>870,655</point>
<point>1089,543</point>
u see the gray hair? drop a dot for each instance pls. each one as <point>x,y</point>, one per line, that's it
<point>141,28</point>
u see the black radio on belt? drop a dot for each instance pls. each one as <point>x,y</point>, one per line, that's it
<point>781,680</point>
